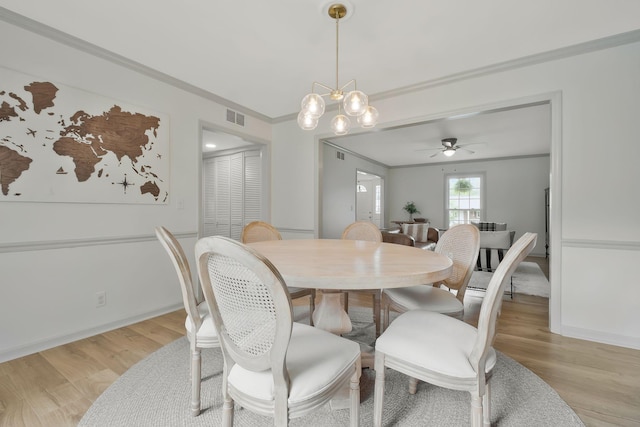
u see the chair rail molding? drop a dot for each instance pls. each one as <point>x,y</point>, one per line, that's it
<point>91,241</point>
<point>623,245</point>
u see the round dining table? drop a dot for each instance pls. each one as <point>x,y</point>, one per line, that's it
<point>340,264</point>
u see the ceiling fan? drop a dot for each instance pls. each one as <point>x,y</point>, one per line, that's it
<point>449,147</point>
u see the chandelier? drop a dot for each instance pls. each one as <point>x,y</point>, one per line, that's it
<point>355,103</point>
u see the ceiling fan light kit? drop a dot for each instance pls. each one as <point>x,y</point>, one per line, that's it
<point>449,149</point>
<point>354,103</point>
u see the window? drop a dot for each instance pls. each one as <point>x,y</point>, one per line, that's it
<point>464,195</point>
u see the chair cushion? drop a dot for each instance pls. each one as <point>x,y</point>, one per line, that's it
<point>206,335</point>
<point>425,297</point>
<point>315,359</point>
<point>420,232</point>
<point>433,341</point>
<point>495,239</point>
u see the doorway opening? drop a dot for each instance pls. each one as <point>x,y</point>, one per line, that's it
<point>234,183</point>
<point>369,198</point>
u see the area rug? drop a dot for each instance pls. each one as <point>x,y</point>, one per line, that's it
<point>528,279</point>
<point>156,391</point>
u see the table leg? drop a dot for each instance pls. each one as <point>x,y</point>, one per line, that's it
<point>330,315</point>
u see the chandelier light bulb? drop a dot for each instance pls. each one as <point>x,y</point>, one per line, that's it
<point>340,124</point>
<point>369,118</point>
<point>307,121</point>
<point>313,105</point>
<point>355,103</point>
<point>449,152</point>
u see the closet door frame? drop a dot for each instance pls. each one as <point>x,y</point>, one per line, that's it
<point>259,149</point>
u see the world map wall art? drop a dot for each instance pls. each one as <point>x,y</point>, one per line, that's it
<point>62,144</point>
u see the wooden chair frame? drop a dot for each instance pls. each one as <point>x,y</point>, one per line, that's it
<point>192,305</point>
<point>232,262</point>
<point>477,385</point>
<point>260,231</point>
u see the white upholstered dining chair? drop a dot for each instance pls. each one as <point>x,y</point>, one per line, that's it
<point>460,243</point>
<point>272,365</point>
<point>201,331</point>
<point>367,231</point>
<point>448,352</point>
<point>260,231</point>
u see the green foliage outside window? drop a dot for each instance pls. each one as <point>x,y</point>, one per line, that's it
<point>462,186</point>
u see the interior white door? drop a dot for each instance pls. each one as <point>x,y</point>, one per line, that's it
<point>364,201</point>
<point>232,191</point>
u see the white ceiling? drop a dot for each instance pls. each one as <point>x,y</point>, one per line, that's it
<point>264,55</point>
<point>518,131</point>
<point>219,141</point>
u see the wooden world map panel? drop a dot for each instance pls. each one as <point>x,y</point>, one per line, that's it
<point>62,144</point>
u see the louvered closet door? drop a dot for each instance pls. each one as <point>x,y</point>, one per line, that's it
<point>232,193</point>
<point>209,196</point>
<point>222,199</point>
<point>236,176</point>
<point>252,186</point>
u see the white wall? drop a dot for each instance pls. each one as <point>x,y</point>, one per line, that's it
<point>338,201</point>
<point>514,192</point>
<point>54,257</point>
<point>600,106</point>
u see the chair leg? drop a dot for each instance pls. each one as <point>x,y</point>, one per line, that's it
<point>378,393</point>
<point>486,406</point>
<point>476,410</point>
<point>385,304</point>
<point>354,395</point>
<point>376,313</point>
<point>512,287</point>
<point>312,305</point>
<point>227,401</point>
<point>413,385</point>
<point>196,365</point>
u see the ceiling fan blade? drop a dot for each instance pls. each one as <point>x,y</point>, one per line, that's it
<point>467,150</point>
<point>433,155</point>
<point>473,143</point>
<point>429,149</point>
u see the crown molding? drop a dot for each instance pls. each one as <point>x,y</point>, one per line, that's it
<point>525,61</point>
<point>86,47</point>
<point>82,45</point>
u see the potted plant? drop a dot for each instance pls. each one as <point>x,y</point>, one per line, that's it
<point>410,207</point>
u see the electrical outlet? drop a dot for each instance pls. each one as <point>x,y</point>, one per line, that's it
<point>101,299</point>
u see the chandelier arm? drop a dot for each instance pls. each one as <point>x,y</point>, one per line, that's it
<point>348,83</point>
<point>321,85</point>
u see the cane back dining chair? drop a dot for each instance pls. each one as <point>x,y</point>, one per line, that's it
<point>260,231</point>
<point>368,231</point>
<point>460,243</point>
<point>272,365</point>
<point>201,331</point>
<point>446,351</point>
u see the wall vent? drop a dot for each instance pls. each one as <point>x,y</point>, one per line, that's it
<point>234,117</point>
<point>339,155</point>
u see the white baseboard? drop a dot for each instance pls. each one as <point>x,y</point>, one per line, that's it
<point>14,353</point>
<point>601,337</point>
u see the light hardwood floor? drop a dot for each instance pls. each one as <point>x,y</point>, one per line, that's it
<point>55,387</point>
